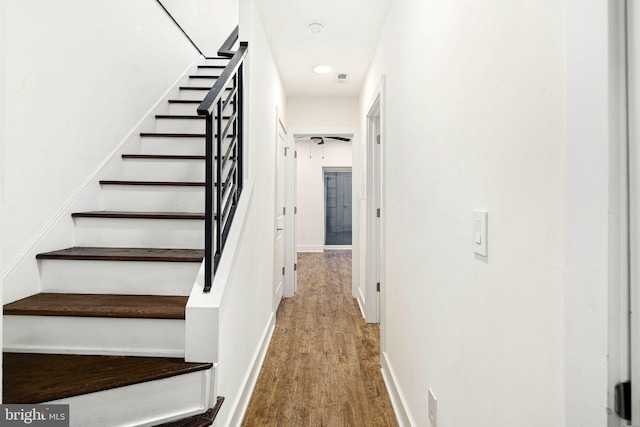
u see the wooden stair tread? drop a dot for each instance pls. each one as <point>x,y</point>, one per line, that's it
<point>184,101</point>
<point>163,157</point>
<point>199,88</point>
<point>172,135</point>
<point>202,420</point>
<point>184,117</point>
<point>140,215</point>
<point>99,305</point>
<point>34,378</point>
<point>125,254</point>
<point>180,117</point>
<point>154,183</point>
<point>201,76</point>
<point>188,101</point>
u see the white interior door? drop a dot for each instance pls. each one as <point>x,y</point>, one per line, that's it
<point>373,283</point>
<point>280,215</point>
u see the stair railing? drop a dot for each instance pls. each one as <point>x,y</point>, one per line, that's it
<point>223,110</point>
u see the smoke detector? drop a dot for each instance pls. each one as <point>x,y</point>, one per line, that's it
<point>315,27</point>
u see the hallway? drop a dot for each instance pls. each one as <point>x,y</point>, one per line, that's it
<point>322,367</point>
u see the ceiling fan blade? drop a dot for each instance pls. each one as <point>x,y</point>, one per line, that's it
<point>339,138</point>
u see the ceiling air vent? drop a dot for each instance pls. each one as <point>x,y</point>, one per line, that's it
<point>341,78</point>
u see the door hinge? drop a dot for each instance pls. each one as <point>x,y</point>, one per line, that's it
<point>295,210</point>
<point>284,211</point>
<point>295,267</point>
<point>378,213</point>
<point>283,271</point>
<point>295,154</point>
<point>378,139</point>
<point>622,396</point>
<point>378,286</point>
<point>286,149</point>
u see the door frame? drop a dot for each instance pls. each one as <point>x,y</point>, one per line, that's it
<point>375,236</point>
<point>292,244</point>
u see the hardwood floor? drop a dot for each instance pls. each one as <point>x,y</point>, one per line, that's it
<point>322,367</point>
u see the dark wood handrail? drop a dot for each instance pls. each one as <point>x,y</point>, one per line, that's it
<point>227,46</point>
<point>208,103</point>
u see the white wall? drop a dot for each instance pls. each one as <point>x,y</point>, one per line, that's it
<point>207,22</point>
<point>315,112</point>
<point>322,111</point>
<point>79,77</point>
<point>248,311</point>
<point>475,120</point>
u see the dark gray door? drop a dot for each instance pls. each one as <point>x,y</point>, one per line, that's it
<point>337,190</point>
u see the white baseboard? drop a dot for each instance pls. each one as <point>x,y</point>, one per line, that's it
<point>239,407</point>
<point>310,248</point>
<point>403,415</point>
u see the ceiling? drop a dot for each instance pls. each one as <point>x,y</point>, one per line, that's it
<point>347,43</point>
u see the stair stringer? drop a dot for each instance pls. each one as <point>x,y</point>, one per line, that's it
<point>21,278</point>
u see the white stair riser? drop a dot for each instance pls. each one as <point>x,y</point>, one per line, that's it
<point>185,146</point>
<point>94,335</point>
<point>185,125</point>
<point>183,109</point>
<point>118,277</point>
<point>210,71</point>
<point>164,170</point>
<point>208,82</point>
<point>145,404</point>
<point>196,95</point>
<point>153,199</point>
<point>180,125</point>
<point>140,233</point>
<point>192,94</point>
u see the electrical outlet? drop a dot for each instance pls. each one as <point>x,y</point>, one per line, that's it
<point>433,409</point>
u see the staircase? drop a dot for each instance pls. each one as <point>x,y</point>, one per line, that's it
<point>106,334</point>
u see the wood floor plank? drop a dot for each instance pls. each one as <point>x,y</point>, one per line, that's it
<point>323,365</point>
<point>35,378</point>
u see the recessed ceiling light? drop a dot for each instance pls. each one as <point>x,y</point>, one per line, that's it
<point>321,69</point>
<point>315,27</point>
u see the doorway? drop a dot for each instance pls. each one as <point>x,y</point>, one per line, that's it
<point>374,259</point>
<point>337,210</point>
<point>314,151</point>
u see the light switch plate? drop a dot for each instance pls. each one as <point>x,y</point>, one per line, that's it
<point>479,232</point>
